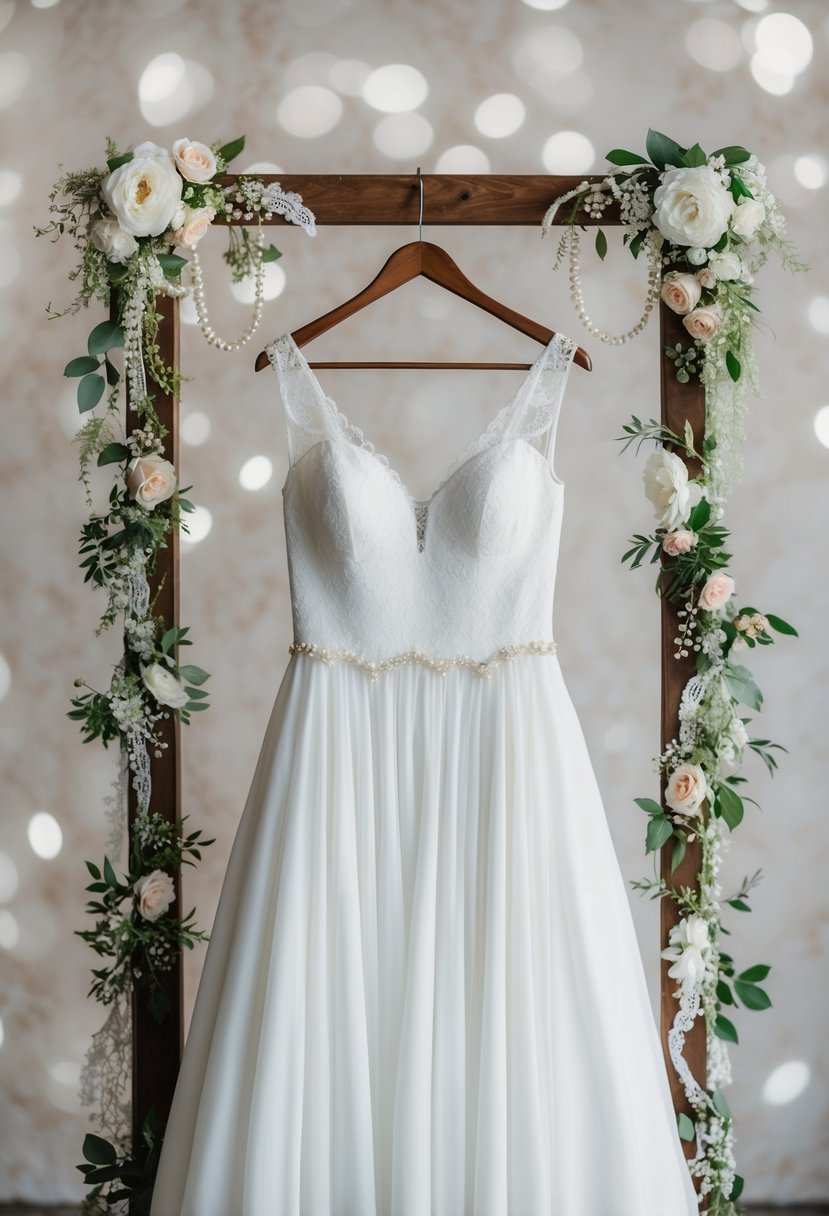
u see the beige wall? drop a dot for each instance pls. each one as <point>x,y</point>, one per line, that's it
<point>84,61</point>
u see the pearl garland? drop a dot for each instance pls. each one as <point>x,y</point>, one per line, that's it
<point>207,329</point>
<point>482,667</point>
<point>652,294</point>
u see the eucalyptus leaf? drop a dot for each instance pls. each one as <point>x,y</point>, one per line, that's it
<point>113,375</point>
<point>109,873</point>
<point>742,687</point>
<point>730,806</point>
<point>663,150</point>
<point>659,830</point>
<point>726,1030</point>
<point>171,264</point>
<point>81,366</point>
<point>193,675</point>
<point>754,974</point>
<point>678,852</point>
<point>720,1103</point>
<point>685,1126</point>
<point>104,337</point>
<point>601,244</point>
<point>618,156</point>
<point>752,996</point>
<point>90,391</point>
<point>113,453</point>
<point>649,805</point>
<point>270,253</point>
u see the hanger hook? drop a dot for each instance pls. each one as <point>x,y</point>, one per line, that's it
<point>420,217</point>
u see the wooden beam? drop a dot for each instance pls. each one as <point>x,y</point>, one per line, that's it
<point>389,198</point>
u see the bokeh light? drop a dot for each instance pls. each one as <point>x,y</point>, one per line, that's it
<point>8,878</point>
<point>10,264</point>
<point>714,44</point>
<point>199,522</point>
<point>783,43</point>
<point>547,55</point>
<point>821,425</point>
<point>810,171</point>
<point>5,676</point>
<point>462,158</point>
<point>396,87</point>
<point>349,76</point>
<point>818,313</point>
<point>171,87</point>
<point>14,76</point>
<point>255,473</point>
<point>568,152</point>
<point>312,68</point>
<point>403,136</point>
<point>309,111</point>
<point>500,115</point>
<point>9,930</point>
<point>2,1033</point>
<point>786,1082</point>
<point>195,428</point>
<point>45,835</point>
<point>273,284</point>
<point>546,6</point>
<point>11,184</point>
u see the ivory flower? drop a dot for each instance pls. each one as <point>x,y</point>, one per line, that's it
<point>154,892</point>
<point>668,488</point>
<point>675,543</point>
<point>703,322</point>
<point>725,265</point>
<point>194,224</point>
<point>164,686</point>
<point>144,192</point>
<point>194,161</point>
<point>717,591</point>
<point>748,216</point>
<point>681,292</point>
<point>150,480</point>
<point>706,278</point>
<point>692,206</point>
<point>689,944</point>
<point>686,789</point>
<point>107,235</point>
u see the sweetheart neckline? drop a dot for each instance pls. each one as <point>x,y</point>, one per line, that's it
<point>464,455</point>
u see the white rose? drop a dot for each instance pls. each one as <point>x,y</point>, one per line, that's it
<point>144,192</point>
<point>108,236</point>
<point>703,322</point>
<point>689,967</point>
<point>681,292</point>
<point>689,942</point>
<point>686,789</point>
<point>697,256</point>
<point>738,733</point>
<point>194,224</point>
<point>692,207</point>
<point>668,488</point>
<point>194,161</point>
<point>164,686</point>
<point>747,217</point>
<point>726,265</point>
<point>150,480</point>
<point>706,278</point>
<point>154,893</point>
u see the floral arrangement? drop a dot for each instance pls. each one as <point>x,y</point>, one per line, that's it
<point>707,223</point>
<point>125,221</point>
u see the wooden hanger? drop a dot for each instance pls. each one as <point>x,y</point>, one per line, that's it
<point>429,260</point>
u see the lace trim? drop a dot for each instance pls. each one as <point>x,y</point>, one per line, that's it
<point>555,358</point>
<point>482,667</point>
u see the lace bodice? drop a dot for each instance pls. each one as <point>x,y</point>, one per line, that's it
<point>469,571</point>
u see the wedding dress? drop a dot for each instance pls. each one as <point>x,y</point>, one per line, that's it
<point>423,993</point>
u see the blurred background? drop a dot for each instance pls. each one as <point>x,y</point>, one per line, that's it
<point>478,86</point>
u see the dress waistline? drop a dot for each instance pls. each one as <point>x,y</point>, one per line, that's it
<point>482,667</point>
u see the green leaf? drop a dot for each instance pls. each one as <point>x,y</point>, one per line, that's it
<point>695,157</point>
<point>742,687</point>
<point>171,264</point>
<point>719,1101</point>
<point>113,375</point>
<point>754,974</point>
<point>663,151</point>
<point>168,638</point>
<point>98,1151</point>
<point>601,244</point>
<point>724,1029</point>
<point>109,873</point>
<point>103,1173</point>
<point>93,869</point>
<point>739,904</point>
<point>80,366</point>
<point>724,993</point>
<point>113,453</point>
<point>700,515</point>
<point>618,156</point>
<point>685,1126</point>
<point>196,694</point>
<point>103,337</point>
<point>649,805</point>
<point>659,830</point>
<point>270,253</point>
<point>678,852</point>
<point>230,150</point>
<point>90,390</point>
<point>781,626</point>
<point>738,188</point>
<point>752,996</point>
<point>115,162</point>
<point>730,806</point>
<point>637,242</point>
<point>194,675</point>
<point>733,365</point>
<point>733,154</point>
<point>737,1187</point>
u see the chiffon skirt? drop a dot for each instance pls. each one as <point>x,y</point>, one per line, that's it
<point>423,993</point>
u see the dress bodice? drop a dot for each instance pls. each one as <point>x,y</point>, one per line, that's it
<point>469,572</point>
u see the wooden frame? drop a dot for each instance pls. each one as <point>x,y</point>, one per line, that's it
<point>354,199</point>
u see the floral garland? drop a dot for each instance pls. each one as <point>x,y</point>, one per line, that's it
<point>707,224</point>
<point>125,221</point>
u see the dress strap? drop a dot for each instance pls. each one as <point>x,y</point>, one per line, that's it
<point>307,420</point>
<point>534,416</point>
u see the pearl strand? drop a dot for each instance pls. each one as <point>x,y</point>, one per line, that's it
<point>207,329</point>
<point>652,294</point>
<point>482,667</point>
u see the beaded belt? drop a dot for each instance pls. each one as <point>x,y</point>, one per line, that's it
<point>483,667</point>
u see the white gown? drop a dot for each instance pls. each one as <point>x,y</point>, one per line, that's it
<point>423,993</point>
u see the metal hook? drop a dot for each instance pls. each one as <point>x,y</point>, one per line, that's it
<point>420,217</point>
